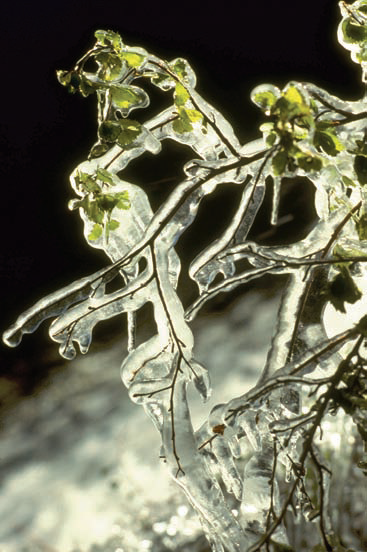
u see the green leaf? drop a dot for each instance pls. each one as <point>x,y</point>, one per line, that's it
<point>106,202</point>
<point>265,96</point>
<point>308,162</point>
<point>352,32</point>
<point>98,150</point>
<point>123,200</point>
<point>194,115</point>
<point>180,67</point>
<point>125,96</point>
<point>104,176</point>
<point>340,252</point>
<point>348,182</point>
<point>162,80</point>
<point>87,183</point>
<point>183,123</point>
<point>293,95</point>
<point>109,131</point>
<point>111,66</point>
<point>109,38</point>
<point>290,105</point>
<point>181,95</point>
<point>96,233</point>
<point>265,100</point>
<point>113,224</point>
<point>70,79</point>
<point>271,139</point>
<point>129,131</point>
<point>327,141</point>
<point>279,162</point>
<point>132,59</point>
<point>95,212</point>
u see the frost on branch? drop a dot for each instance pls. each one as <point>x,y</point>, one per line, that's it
<point>253,460</point>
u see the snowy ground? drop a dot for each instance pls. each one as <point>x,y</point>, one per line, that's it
<point>79,461</point>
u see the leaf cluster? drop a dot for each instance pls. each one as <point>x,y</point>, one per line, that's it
<point>98,204</point>
<point>299,138</point>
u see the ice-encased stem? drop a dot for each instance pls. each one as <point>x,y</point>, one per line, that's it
<point>200,487</point>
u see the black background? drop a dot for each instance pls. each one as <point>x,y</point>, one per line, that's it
<point>45,132</point>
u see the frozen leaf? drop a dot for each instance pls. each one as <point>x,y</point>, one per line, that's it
<point>96,232</point>
<point>133,59</point>
<point>111,66</point>
<point>265,96</point>
<point>181,95</point>
<point>127,97</point>
<point>109,38</point>
<point>183,124</point>
<point>104,176</point>
<point>98,150</point>
<point>279,162</point>
<point>109,131</point>
<point>113,224</point>
<point>328,141</point>
<point>129,131</point>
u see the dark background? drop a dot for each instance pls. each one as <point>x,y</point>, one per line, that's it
<point>45,132</point>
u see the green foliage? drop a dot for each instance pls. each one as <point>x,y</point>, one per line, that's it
<point>326,140</point>
<point>123,131</point>
<point>308,133</point>
<point>126,96</point>
<point>99,204</point>
<point>109,38</point>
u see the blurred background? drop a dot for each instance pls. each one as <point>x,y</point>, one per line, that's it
<point>45,133</point>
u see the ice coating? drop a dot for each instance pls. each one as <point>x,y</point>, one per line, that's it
<point>229,469</point>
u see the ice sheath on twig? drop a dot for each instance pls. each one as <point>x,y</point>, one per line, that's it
<point>250,461</point>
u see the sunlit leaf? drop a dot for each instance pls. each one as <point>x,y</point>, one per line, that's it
<point>293,95</point>
<point>353,33</point>
<point>182,124</point>
<point>111,66</point>
<point>123,201</point>
<point>181,95</point>
<point>125,96</point>
<point>309,162</point>
<point>98,150</point>
<point>109,131</point>
<point>180,67</point>
<point>133,59</point>
<point>96,233</point>
<point>129,131</point>
<point>113,224</point>
<point>104,176</point>
<point>279,162</point>
<point>109,38</point>
<point>327,141</point>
